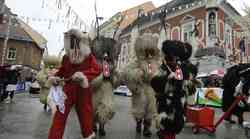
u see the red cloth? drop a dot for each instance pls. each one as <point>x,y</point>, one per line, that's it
<point>81,97</point>
<point>169,136</point>
<point>89,67</point>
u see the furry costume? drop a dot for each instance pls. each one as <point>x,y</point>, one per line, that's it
<point>230,80</point>
<point>106,51</point>
<point>50,63</point>
<point>190,82</point>
<point>78,69</point>
<point>137,76</point>
<point>169,87</point>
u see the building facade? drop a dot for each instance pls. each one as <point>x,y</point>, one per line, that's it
<point>202,23</point>
<point>19,43</point>
<point>123,19</point>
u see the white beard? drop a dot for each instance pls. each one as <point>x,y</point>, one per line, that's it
<point>76,56</point>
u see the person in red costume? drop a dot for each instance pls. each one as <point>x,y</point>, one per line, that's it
<point>78,69</point>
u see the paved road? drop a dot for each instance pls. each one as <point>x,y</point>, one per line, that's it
<point>25,119</point>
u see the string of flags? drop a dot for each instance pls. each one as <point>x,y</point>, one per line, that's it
<point>65,15</point>
<point>69,12</point>
<point>50,21</point>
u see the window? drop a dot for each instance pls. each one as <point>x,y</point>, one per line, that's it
<point>212,24</point>
<point>1,19</point>
<point>187,31</point>
<point>11,54</point>
<point>141,13</point>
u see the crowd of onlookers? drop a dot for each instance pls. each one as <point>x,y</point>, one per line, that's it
<point>11,82</point>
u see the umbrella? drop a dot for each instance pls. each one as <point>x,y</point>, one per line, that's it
<point>218,72</point>
<point>201,75</point>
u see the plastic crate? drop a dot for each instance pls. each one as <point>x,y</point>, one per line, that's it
<point>200,116</point>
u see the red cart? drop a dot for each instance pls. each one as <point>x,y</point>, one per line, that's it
<point>203,117</point>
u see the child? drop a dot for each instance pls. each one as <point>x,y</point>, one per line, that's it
<point>56,98</point>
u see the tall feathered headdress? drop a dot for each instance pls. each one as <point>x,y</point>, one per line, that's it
<point>181,50</point>
<point>146,47</point>
<point>106,46</point>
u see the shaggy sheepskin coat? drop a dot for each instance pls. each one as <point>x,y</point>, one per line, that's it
<point>169,86</point>
<point>43,76</point>
<point>169,102</point>
<point>103,98</point>
<point>138,74</point>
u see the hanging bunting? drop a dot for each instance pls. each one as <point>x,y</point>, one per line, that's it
<point>59,4</point>
<point>68,12</point>
<point>68,17</point>
<point>76,20</point>
<point>80,25</point>
<point>58,18</point>
<point>50,22</point>
<point>68,25</point>
<point>27,20</point>
<point>43,4</point>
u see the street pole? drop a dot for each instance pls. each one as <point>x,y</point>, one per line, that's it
<point>5,44</point>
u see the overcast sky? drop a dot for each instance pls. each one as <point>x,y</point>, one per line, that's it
<point>38,13</point>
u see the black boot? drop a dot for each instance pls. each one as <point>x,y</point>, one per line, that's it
<point>229,120</point>
<point>159,134</point>
<point>138,126</point>
<point>95,128</point>
<point>146,129</point>
<point>239,116</point>
<point>102,131</point>
<point>45,107</point>
<point>240,120</point>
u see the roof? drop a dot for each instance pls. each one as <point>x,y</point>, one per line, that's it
<point>131,14</point>
<point>33,34</point>
<point>232,7</point>
<point>170,8</point>
<point>23,32</point>
<point>15,33</point>
<point>20,31</point>
<point>110,21</point>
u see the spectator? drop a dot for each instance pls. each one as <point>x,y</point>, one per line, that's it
<point>3,83</point>
<point>12,76</point>
<point>242,47</point>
